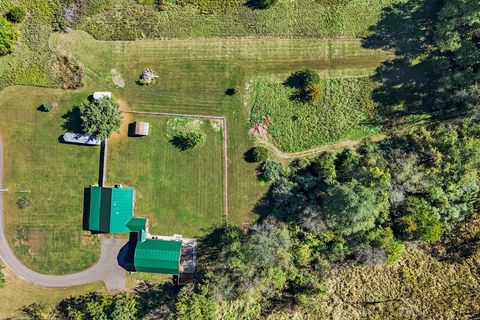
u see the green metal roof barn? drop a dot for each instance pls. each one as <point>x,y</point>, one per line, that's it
<point>138,225</point>
<point>156,255</point>
<point>110,209</point>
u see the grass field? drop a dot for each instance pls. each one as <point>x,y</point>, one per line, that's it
<point>17,293</point>
<point>193,77</point>
<point>233,18</point>
<point>420,286</point>
<point>179,191</point>
<point>47,235</point>
<point>30,64</point>
<point>346,110</point>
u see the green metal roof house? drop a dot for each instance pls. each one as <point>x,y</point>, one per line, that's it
<point>110,209</point>
<point>156,255</point>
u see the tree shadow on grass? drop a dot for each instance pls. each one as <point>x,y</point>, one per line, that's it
<point>255,5</point>
<point>294,81</point>
<point>72,121</point>
<point>411,83</point>
<point>249,155</point>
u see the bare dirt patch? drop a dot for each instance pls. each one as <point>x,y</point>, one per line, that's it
<point>67,72</point>
<point>127,119</point>
<point>117,78</point>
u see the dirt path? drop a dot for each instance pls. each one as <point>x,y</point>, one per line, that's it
<point>106,269</point>
<point>340,145</point>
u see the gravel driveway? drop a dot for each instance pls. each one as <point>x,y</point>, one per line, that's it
<point>106,269</point>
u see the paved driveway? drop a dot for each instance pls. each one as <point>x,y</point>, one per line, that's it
<point>106,269</point>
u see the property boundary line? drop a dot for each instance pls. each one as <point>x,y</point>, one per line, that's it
<point>224,145</point>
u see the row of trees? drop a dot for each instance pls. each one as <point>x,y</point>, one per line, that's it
<point>355,206</point>
<point>92,306</point>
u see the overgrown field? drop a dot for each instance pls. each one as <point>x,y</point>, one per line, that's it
<point>233,18</point>
<point>31,62</point>
<point>179,191</point>
<point>345,110</point>
<point>418,286</point>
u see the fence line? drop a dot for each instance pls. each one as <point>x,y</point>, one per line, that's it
<point>224,145</point>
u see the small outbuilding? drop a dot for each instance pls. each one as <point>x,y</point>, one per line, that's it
<point>142,128</point>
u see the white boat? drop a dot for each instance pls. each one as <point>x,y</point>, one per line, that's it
<point>81,138</point>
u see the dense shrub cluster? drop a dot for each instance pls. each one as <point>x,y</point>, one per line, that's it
<point>188,139</point>
<point>307,82</point>
<point>413,187</point>
<point>90,306</point>
<point>16,14</point>
<point>8,36</point>
<point>67,72</point>
<point>257,154</point>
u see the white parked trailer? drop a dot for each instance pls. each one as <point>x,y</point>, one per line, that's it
<point>100,95</point>
<point>81,138</point>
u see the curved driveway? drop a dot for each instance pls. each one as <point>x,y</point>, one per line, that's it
<point>106,269</point>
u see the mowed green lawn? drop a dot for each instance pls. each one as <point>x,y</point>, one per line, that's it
<point>179,191</point>
<point>47,235</point>
<point>345,110</point>
<point>194,74</point>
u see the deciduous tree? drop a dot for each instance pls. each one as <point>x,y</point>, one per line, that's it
<point>101,117</point>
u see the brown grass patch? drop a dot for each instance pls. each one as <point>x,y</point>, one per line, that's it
<point>127,119</point>
<point>35,240</point>
<point>417,287</point>
<point>86,239</point>
<point>18,293</point>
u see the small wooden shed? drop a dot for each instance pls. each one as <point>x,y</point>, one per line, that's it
<point>142,128</point>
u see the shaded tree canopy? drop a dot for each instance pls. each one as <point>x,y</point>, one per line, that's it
<point>436,68</point>
<point>101,117</point>
<point>188,140</point>
<point>351,207</point>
